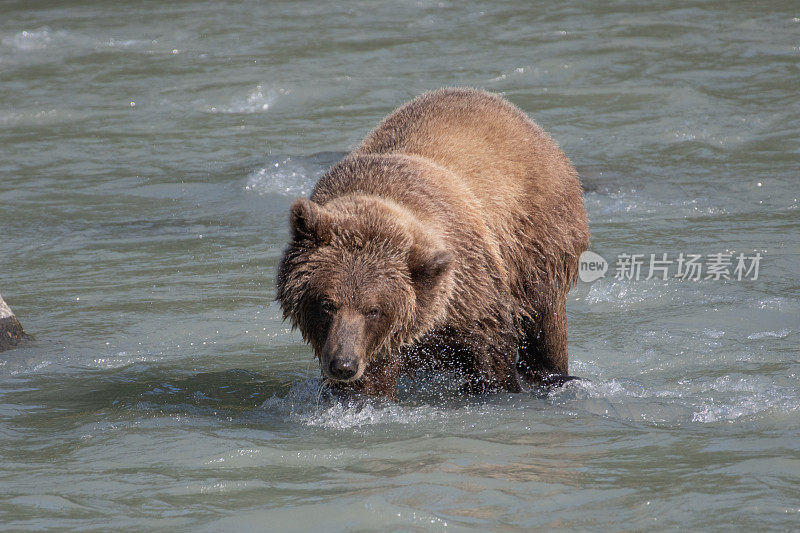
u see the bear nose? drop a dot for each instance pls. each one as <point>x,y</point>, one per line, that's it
<point>343,368</point>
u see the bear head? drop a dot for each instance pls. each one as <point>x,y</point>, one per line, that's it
<point>361,278</point>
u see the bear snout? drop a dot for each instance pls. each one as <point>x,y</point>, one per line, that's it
<point>341,358</point>
<point>343,369</point>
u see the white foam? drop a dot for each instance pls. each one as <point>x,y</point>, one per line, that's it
<point>691,401</point>
<point>723,399</point>
<point>756,400</point>
<point>57,43</point>
<point>774,302</point>
<point>123,359</point>
<point>630,293</point>
<point>285,177</point>
<point>39,117</point>
<point>779,334</point>
<point>258,100</point>
<point>713,333</point>
<point>30,39</point>
<point>700,130</point>
<point>309,403</point>
<point>31,367</point>
<point>613,206</point>
<point>127,43</point>
<point>611,388</point>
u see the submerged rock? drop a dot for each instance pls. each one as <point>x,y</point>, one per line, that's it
<point>11,332</point>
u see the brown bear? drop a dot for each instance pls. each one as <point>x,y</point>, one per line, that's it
<point>448,238</point>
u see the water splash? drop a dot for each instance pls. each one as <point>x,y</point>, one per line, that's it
<point>742,398</point>
<point>284,177</point>
<point>290,176</point>
<point>30,39</point>
<point>258,100</point>
<point>723,399</point>
<point>779,334</point>
<point>310,403</point>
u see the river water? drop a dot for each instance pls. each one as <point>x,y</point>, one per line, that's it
<point>148,155</point>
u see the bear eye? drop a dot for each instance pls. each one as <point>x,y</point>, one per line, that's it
<point>373,313</point>
<point>328,307</point>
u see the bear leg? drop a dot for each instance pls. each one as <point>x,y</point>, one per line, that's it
<point>491,368</point>
<point>543,351</point>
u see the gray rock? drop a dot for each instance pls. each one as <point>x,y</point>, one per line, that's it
<point>11,332</point>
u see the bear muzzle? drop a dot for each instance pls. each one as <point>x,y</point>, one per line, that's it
<point>342,369</point>
<point>341,358</point>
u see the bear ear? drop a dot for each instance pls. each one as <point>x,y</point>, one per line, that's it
<point>309,221</point>
<point>428,266</point>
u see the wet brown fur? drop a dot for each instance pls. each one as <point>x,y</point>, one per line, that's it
<point>462,221</point>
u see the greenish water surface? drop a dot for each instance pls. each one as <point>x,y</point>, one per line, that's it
<point>148,155</point>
